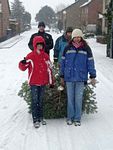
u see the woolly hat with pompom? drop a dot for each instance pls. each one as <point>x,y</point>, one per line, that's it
<point>77,33</point>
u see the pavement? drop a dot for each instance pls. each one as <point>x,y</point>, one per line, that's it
<point>10,42</point>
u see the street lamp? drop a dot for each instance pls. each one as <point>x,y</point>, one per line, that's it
<point>23,21</point>
<point>0,7</point>
<point>64,19</point>
<point>112,30</point>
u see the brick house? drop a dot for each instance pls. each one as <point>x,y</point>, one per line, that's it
<point>4,18</point>
<point>82,13</point>
<point>90,15</point>
<point>70,16</point>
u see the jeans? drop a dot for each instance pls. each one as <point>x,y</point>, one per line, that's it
<point>37,93</point>
<point>74,100</point>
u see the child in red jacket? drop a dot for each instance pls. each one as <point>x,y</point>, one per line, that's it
<point>39,74</point>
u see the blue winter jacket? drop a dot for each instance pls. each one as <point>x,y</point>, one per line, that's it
<point>76,63</point>
<point>60,44</point>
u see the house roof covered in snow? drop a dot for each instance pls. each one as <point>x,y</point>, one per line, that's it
<point>86,3</point>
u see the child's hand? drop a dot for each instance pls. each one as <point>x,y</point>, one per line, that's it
<point>62,82</point>
<point>93,81</point>
<point>51,86</point>
<point>23,61</point>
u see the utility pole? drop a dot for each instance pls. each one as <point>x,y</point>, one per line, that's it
<point>112,30</point>
<point>1,21</point>
<point>64,19</point>
<point>111,40</point>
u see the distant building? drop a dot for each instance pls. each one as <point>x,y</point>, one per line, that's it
<point>83,14</point>
<point>4,18</point>
<point>70,16</point>
<point>91,16</point>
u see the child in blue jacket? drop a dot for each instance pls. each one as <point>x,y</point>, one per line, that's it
<point>77,61</point>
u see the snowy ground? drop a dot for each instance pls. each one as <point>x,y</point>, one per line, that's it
<point>16,129</point>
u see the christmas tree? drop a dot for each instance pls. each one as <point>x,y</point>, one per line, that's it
<point>55,99</point>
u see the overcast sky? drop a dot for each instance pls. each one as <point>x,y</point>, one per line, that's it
<point>33,6</point>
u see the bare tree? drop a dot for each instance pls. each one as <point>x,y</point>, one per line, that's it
<point>60,7</point>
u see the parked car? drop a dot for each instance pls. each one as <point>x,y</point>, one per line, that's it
<point>47,29</point>
<point>89,35</point>
<point>27,27</point>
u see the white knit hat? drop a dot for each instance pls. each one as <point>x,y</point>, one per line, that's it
<point>77,32</point>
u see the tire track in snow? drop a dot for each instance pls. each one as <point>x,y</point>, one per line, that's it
<point>10,127</point>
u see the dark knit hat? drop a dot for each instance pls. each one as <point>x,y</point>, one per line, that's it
<point>69,29</point>
<point>41,24</point>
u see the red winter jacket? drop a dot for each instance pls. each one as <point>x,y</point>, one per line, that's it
<point>38,65</point>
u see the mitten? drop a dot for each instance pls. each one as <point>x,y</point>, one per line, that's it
<point>62,82</point>
<point>93,81</point>
<point>55,60</point>
<point>23,61</point>
<point>51,86</point>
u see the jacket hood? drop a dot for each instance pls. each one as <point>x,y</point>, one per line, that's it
<point>38,39</point>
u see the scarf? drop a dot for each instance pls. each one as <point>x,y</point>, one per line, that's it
<point>77,45</point>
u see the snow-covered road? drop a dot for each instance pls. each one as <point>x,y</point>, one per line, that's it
<point>16,129</point>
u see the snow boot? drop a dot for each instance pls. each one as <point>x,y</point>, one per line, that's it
<point>77,123</point>
<point>43,122</point>
<point>37,124</point>
<point>69,122</point>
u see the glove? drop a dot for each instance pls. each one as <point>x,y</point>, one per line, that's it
<point>55,60</point>
<point>51,86</point>
<point>93,81</point>
<point>62,82</point>
<point>23,61</point>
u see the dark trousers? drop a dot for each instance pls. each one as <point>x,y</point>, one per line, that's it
<point>37,93</point>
